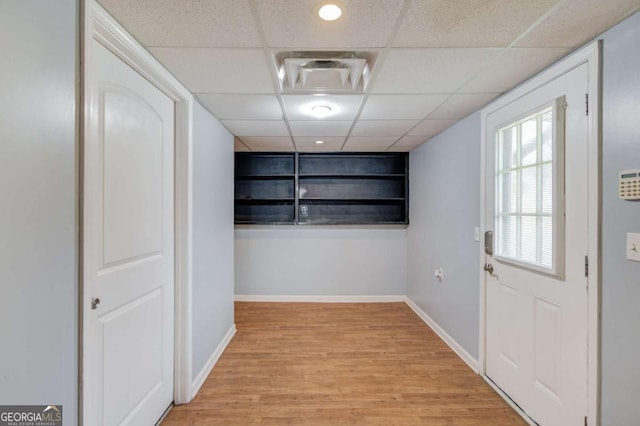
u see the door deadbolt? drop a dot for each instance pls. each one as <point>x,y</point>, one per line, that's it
<point>94,303</point>
<point>488,243</point>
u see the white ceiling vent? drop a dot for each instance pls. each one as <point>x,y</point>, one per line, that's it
<point>324,71</point>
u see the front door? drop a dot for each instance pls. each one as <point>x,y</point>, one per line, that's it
<point>128,235</point>
<point>536,206</point>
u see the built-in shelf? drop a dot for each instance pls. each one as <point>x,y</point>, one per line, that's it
<point>264,177</point>
<point>355,200</point>
<point>264,200</point>
<point>320,188</point>
<point>352,175</point>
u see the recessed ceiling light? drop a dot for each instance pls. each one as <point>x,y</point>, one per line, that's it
<point>321,111</point>
<point>330,12</point>
<point>319,142</point>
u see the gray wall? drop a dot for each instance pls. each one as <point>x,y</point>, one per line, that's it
<point>38,282</point>
<point>445,208</point>
<point>212,296</point>
<point>302,260</point>
<point>620,277</point>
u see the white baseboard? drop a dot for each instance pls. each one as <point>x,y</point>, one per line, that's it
<point>455,346</point>
<point>320,299</point>
<point>197,382</point>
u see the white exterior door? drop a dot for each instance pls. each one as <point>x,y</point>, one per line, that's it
<point>536,206</point>
<point>128,234</point>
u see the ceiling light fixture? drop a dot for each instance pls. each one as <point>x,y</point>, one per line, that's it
<point>319,142</point>
<point>321,111</point>
<point>330,12</point>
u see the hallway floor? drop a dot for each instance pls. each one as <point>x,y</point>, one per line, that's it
<point>340,364</point>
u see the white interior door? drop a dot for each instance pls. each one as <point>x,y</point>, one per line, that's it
<point>128,246</point>
<point>536,205</point>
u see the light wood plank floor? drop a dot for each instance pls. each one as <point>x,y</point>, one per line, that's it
<point>340,364</point>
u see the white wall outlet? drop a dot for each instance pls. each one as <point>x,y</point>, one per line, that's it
<point>438,273</point>
<point>633,246</point>
<point>476,233</point>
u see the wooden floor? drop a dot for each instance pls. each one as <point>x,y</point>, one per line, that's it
<point>340,364</point>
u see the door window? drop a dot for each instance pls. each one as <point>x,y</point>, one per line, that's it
<point>529,210</point>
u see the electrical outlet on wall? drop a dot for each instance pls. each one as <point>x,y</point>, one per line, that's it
<point>438,273</point>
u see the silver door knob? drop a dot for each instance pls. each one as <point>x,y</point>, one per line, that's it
<point>488,267</point>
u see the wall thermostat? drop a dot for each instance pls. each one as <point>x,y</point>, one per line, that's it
<point>630,184</point>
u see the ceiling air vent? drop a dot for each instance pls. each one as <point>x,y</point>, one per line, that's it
<point>324,71</point>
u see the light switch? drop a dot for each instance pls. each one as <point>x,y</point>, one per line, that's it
<point>633,246</point>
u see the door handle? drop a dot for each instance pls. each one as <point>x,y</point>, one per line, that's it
<point>489,268</point>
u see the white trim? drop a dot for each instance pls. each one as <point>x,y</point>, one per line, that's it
<point>450,341</point>
<point>100,26</point>
<point>483,229</point>
<point>594,233</point>
<point>319,299</point>
<point>198,381</point>
<point>591,55</point>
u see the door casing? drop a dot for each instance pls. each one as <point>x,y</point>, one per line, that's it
<point>97,24</point>
<point>591,55</point>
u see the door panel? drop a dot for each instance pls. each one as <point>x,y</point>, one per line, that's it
<point>547,344</point>
<point>509,329</point>
<point>128,245</point>
<point>131,169</point>
<point>132,337</point>
<point>536,330</point>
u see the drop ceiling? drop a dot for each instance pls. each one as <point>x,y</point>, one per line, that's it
<point>436,61</point>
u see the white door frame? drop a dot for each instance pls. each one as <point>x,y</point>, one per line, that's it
<point>98,25</point>
<point>591,55</point>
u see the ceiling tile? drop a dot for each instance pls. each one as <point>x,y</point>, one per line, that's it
<point>400,107</point>
<point>242,107</point>
<point>364,148</point>
<point>187,23</point>
<point>431,127</point>
<point>310,141</point>
<point>411,141</point>
<point>320,128</point>
<point>268,143</point>
<point>373,143</point>
<point>364,23</point>
<point>383,127</point>
<point>459,106</point>
<point>408,143</point>
<point>394,148</point>
<point>430,70</point>
<point>343,107</point>
<point>256,128</point>
<point>575,22</point>
<point>320,148</point>
<point>464,23</point>
<point>239,146</point>
<point>512,68</point>
<point>218,70</point>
